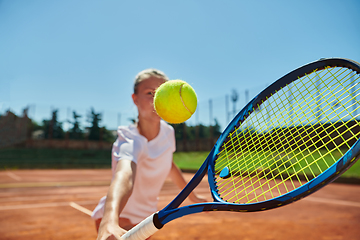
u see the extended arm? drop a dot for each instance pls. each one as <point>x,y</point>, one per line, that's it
<point>119,192</point>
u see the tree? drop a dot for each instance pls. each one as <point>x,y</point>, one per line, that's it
<point>179,130</point>
<point>107,136</point>
<point>76,132</point>
<point>94,130</point>
<point>216,129</point>
<point>53,128</point>
<point>203,131</point>
<point>35,125</point>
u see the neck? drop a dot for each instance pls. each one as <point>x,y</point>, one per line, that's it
<point>149,129</point>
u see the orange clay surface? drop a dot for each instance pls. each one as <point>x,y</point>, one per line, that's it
<point>35,204</point>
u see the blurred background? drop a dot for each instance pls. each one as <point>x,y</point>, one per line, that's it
<point>67,67</point>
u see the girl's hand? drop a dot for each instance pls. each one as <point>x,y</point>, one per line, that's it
<point>110,231</point>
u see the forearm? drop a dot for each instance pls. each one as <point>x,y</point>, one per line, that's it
<point>118,194</point>
<point>120,190</point>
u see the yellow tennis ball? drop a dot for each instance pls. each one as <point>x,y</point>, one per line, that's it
<point>175,101</point>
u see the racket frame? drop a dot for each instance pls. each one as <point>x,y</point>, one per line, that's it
<point>173,211</point>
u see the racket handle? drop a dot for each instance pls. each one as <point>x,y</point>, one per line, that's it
<point>143,230</point>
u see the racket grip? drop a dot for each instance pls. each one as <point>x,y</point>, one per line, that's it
<point>144,229</point>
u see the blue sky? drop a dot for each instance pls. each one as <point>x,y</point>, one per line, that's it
<point>74,55</point>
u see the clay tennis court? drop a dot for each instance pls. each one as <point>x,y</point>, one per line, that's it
<point>54,204</point>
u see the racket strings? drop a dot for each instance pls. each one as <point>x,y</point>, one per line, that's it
<point>292,137</point>
<point>278,166</point>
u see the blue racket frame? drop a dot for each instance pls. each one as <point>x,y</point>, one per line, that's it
<point>173,211</point>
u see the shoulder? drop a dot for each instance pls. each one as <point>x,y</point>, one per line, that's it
<point>129,144</point>
<point>127,131</point>
<point>129,135</point>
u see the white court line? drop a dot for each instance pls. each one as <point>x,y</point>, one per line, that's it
<point>42,205</point>
<point>88,212</point>
<point>80,208</point>
<point>54,184</point>
<point>13,176</point>
<point>35,205</point>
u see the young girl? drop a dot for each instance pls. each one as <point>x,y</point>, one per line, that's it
<point>141,161</point>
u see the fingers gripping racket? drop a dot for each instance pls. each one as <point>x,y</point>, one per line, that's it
<point>296,136</point>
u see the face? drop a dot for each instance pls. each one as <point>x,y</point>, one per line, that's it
<point>144,97</point>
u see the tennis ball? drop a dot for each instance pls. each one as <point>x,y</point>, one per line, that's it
<point>175,101</point>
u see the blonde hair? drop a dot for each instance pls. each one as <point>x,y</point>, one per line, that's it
<point>147,73</point>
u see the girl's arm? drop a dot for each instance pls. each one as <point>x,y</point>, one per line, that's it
<point>119,192</point>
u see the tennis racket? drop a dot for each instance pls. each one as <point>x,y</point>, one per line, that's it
<point>299,134</point>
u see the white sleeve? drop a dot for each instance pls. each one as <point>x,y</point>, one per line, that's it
<point>126,146</point>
